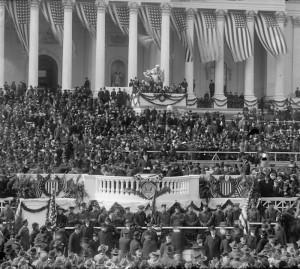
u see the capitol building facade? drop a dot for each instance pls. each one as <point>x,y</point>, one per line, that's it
<point>244,46</point>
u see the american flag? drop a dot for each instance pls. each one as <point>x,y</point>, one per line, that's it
<point>87,14</point>
<point>270,34</point>
<point>179,22</point>
<point>238,36</point>
<point>208,36</point>
<point>52,209</point>
<point>151,19</point>
<point>54,15</point>
<point>243,218</point>
<point>119,13</point>
<point>19,10</point>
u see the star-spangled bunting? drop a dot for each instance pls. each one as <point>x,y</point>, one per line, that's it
<point>208,36</point>
<point>52,209</point>
<point>87,14</point>
<point>179,22</point>
<point>270,34</point>
<point>119,13</point>
<point>19,10</point>
<point>238,37</point>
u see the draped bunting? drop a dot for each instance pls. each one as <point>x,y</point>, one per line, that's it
<point>270,34</point>
<point>238,36</point>
<point>54,15</point>
<point>119,13</point>
<point>151,19</point>
<point>19,10</point>
<point>179,22</point>
<point>208,36</point>
<point>87,14</point>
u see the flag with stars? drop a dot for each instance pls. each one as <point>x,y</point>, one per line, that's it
<point>119,13</point>
<point>270,34</point>
<point>87,14</point>
<point>238,37</point>
<point>151,19</point>
<point>54,15</point>
<point>19,10</point>
<point>208,36</point>
<point>179,22</point>
<point>52,209</point>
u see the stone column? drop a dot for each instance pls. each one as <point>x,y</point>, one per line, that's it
<point>33,65</point>
<point>132,45</point>
<point>100,46</point>
<point>68,6</point>
<point>219,68</point>
<point>165,42</point>
<point>2,41</point>
<point>279,66</point>
<point>189,66</point>
<point>249,64</point>
<point>296,53</point>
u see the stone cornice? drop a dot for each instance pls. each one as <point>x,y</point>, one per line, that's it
<point>133,7</point>
<point>296,22</point>
<point>68,4</point>
<point>101,6</point>
<point>34,3</point>
<point>190,13</point>
<point>3,3</point>
<point>166,8</point>
<point>221,13</point>
<point>250,15</point>
<point>280,16</point>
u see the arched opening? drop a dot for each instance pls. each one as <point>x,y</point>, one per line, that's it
<point>48,72</point>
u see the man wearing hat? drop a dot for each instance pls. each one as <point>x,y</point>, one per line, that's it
<point>128,216</point>
<point>124,244</point>
<point>229,215</point>
<point>213,242</point>
<point>130,228</point>
<point>200,247</point>
<point>116,218</point>
<point>34,232</point>
<point>94,244</point>
<point>262,242</point>
<point>225,243</point>
<point>61,219</point>
<point>72,217</point>
<point>83,213</point>
<point>253,214</point>
<point>246,255</point>
<point>205,217</point>
<point>140,217</point>
<point>252,239</point>
<point>190,217</point>
<point>150,231</point>
<point>218,216</point>
<point>177,218</point>
<point>24,233</point>
<point>75,241</point>
<point>87,230</point>
<point>164,217</point>
<point>280,234</point>
<point>135,243</point>
<point>166,244</point>
<point>7,214</point>
<point>266,187</point>
<point>236,212</point>
<point>94,214</point>
<point>106,238</point>
<point>271,213</point>
<point>168,258</point>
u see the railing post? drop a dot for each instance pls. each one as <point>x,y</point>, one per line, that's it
<point>122,186</point>
<point>104,185</point>
<point>112,186</point>
<point>127,186</point>
<point>117,186</point>
<point>275,157</point>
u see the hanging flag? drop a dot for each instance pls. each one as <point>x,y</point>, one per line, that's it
<point>87,14</point>
<point>151,19</point>
<point>179,23</point>
<point>52,209</point>
<point>54,14</point>
<point>238,36</point>
<point>208,36</point>
<point>270,34</point>
<point>19,10</point>
<point>119,13</point>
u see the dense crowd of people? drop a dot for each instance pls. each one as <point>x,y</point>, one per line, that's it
<point>95,241</point>
<point>60,131</point>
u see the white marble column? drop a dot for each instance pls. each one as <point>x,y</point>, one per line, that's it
<point>296,53</point>
<point>33,65</point>
<point>68,6</point>
<point>249,64</point>
<point>2,41</point>
<point>165,42</point>
<point>132,44</point>
<point>189,66</point>
<point>279,68</point>
<point>100,46</point>
<point>219,68</point>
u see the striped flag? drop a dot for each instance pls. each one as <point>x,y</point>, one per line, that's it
<point>208,36</point>
<point>54,15</point>
<point>19,10</point>
<point>87,14</point>
<point>151,19</point>
<point>179,23</point>
<point>119,13</point>
<point>238,36</point>
<point>52,209</point>
<point>270,34</point>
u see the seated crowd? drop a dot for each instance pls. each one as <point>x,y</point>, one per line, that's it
<point>90,246</point>
<point>44,131</point>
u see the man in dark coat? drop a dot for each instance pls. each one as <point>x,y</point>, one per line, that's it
<point>106,96</point>
<point>106,238</point>
<point>87,230</point>
<point>178,240</point>
<point>218,216</point>
<point>190,217</point>
<point>149,246</point>
<point>225,243</point>
<point>72,217</point>
<point>280,235</point>
<point>124,244</point>
<point>75,241</point>
<point>229,216</point>
<point>34,233</point>
<point>252,239</point>
<point>205,217</point>
<point>165,245</point>
<point>140,217</point>
<point>135,243</point>
<point>177,218</point>
<point>150,231</point>
<point>101,95</point>
<point>163,218</point>
<point>262,242</point>
<point>61,219</point>
<point>213,243</point>
<point>94,244</point>
<point>266,187</point>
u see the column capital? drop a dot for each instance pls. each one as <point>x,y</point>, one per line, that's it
<point>68,4</point>
<point>3,3</point>
<point>133,7</point>
<point>101,6</point>
<point>280,16</point>
<point>190,13</point>
<point>221,13</point>
<point>250,15</point>
<point>35,4</point>
<point>166,9</point>
<point>296,22</point>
